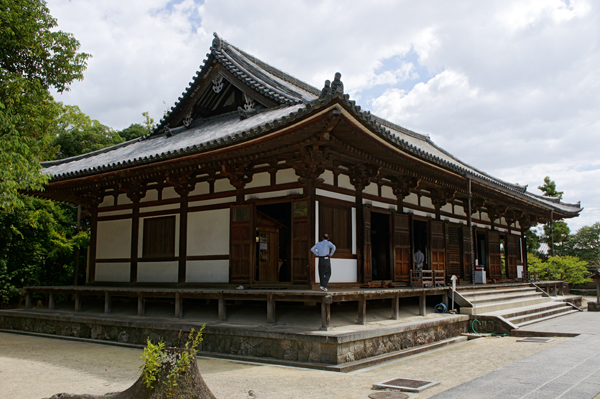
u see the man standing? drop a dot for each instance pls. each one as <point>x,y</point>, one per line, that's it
<point>419,260</point>
<point>324,250</point>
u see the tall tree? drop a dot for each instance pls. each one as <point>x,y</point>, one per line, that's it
<point>549,188</point>
<point>557,232</point>
<point>34,58</point>
<point>586,244</point>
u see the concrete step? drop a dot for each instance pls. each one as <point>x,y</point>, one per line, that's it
<point>493,291</point>
<point>483,308</point>
<point>547,317</point>
<point>525,310</point>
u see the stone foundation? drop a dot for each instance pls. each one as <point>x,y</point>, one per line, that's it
<point>593,306</point>
<point>312,347</point>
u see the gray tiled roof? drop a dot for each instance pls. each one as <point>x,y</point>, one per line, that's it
<point>296,98</point>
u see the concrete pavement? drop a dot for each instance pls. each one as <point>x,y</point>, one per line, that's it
<point>569,370</point>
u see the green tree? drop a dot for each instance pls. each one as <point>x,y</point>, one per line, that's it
<point>565,268</point>
<point>134,131</point>
<point>76,133</point>
<point>549,188</point>
<point>585,244</point>
<point>34,58</point>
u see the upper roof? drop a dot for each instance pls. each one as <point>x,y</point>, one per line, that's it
<point>271,98</point>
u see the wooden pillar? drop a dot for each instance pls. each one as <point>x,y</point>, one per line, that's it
<point>28,300</point>
<point>362,310</point>
<point>445,299</point>
<point>270,309</point>
<point>326,312</point>
<point>423,304</point>
<point>135,236</point>
<point>107,302</point>
<point>141,304</point>
<point>93,244</point>
<point>396,307</point>
<point>311,195</point>
<point>178,306</point>
<point>360,234</point>
<point>51,303</point>
<point>183,217</point>
<point>222,308</point>
<point>77,302</point>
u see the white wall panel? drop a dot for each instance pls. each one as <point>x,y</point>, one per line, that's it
<point>387,192</point>
<point>114,239</point>
<point>200,189</point>
<point>426,202</point>
<point>411,199</point>
<point>260,180</point>
<point>169,192</point>
<point>207,271</point>
<point>123,199</point>
<point>208,233</point>
<point>328,177</point>
<point>151,195</point>
<point>223,185</point>
<point>286,176</point>
<point>344,182</point>
<point>108,200</point>
<point>371,189</point>
<point>446,208</point>
<point>158,272</point>
<point>117,272</point>
<point>342,271</point>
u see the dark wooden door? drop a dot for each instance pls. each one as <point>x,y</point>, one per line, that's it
<point>495,256</point>
<point>512,254</point>
<point>367,249</point>
<point>401,247</point>
<point>300,241</point>
<point>438,245</point>
<point>467,272</point>
<point>454,253</point>
<point>241,244</point>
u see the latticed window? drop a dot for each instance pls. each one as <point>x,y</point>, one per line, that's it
<point>336,220</point>
<point>159,237</point>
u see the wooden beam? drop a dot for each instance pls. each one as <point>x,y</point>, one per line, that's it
<point>135,237</point>
<point>326,312</point>
<point>93,243</point>
<point>183,218</point>
<point>28,300</point>
<point>178,306</point>
<point>51,303</point>
<point>423,304</point>
<point>396,307</point>
<point>77,302</point>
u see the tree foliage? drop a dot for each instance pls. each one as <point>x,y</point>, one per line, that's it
<point>549,188</point>
<point>565,268</point>
<point>34,58</point>
<point>585,244</point>
<point>134,131</point>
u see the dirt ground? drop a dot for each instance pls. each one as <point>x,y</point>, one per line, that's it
<point>35,367</point>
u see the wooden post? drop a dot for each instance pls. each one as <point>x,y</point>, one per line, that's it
<point>423,304</point>
<point>326,312</point>
<point>183,217</point>
<point>28,301</point>
<point>91,277</point>
<point>178,306</point>
<point>445,299</point>
<point>396,307</point>
<point>77,302</point>
<point>107,302</point>
<point>270,309</point>
<point>362,310</point>
<point>135,235</point>
<point>141,304</point>
<point>222,308</point>
<point>51,304</point>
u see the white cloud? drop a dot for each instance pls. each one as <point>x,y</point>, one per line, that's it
<point>510,87</point>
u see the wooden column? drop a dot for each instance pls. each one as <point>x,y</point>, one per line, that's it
<point>396,307</point>
<point>51,303</point>
<point>107,302</point>
<point>178,306</point>
<point>360,235</point>
<point>77,302</point>
<point>135,237</point>
<point>326,312</point>
<point>93,245</point>
<point>28,300</point>
<point>141,310</point>
<point>270,309</point>
<point>362,310</point>
<point>222,308</point>
<point>183,218</point>
<point>423,304</point>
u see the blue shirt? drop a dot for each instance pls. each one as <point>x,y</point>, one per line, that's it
<point>323,248</point>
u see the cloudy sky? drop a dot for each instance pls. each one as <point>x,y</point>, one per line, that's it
<point>510,87</point>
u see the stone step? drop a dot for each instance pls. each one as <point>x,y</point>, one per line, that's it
<point>502,297</point>
<point>547,318</point>
<point>523,319</point>
<point>480,308</point>
<point>525,310</point>
<point>494,291</point>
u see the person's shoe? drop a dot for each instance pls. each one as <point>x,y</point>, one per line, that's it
<point>323,288</point>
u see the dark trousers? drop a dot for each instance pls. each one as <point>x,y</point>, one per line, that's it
<point>324,270</point>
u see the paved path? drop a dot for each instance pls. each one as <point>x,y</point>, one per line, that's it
<point>570,370</point>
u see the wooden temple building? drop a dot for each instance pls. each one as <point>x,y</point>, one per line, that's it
<point>251,166</point>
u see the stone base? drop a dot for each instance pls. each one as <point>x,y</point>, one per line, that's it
<point>309,348</point>
<point>593,306</point>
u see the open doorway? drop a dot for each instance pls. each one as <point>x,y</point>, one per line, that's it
<point>503,259</point>
<point>420,241</point>
<point>481,251</point>
<point>273,243</point>
<point>380,246</point>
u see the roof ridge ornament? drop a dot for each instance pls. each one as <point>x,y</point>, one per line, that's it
<point>217,44</point>
<point>333,88</point>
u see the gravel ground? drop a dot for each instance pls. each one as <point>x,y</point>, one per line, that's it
<point>35,367</point>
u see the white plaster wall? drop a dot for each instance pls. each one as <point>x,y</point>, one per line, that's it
<point>200,189</point>
<point>379,204</point>
<point>223,185</point>
<point>158,272</point>
<point>208,233</point>
<point>123,199</point>
<point>328,177</point>
<point>207,271</point>
<point>114,239</point>
<point>459,210</point>
<point>426,202</point>
<point>151,195</point>
<point>344,182</point>
<point>169,192</point>
<point>484,216</point>
<point>108,200</point>
<point>273,194</point>
<point>342,271</point>
<point>260,180</point>
<point>213,201</point>
<point>411,199</point>
<point>421,213</point>
<point>286,176</point>
<point>446,208</point>
<point>117,272</point>
<point>141,235</point>
<point>330,194</point>
<point>371,189</point>
<point>387,192</point>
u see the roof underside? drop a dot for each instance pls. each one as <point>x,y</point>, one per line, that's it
<point>205,118</point>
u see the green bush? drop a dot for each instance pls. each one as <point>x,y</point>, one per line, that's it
<point>565,268</point>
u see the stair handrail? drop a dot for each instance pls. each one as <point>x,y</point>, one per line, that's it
<point>544,293</point>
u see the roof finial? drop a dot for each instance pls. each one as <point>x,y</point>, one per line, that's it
<point>326,89</point>
<point>337,87</point>
<point>217,42</point>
